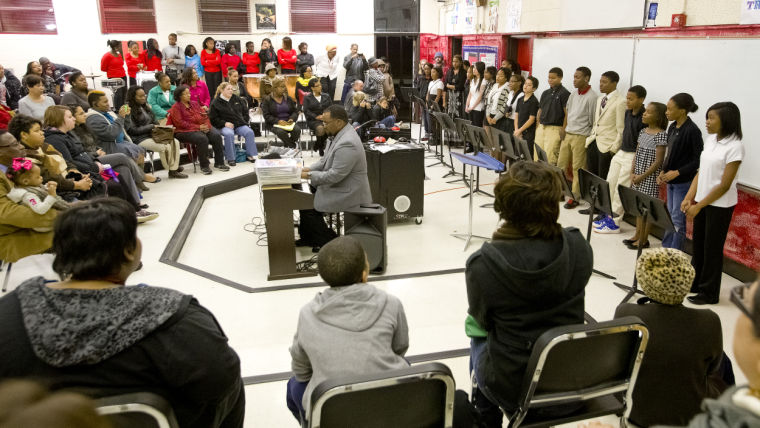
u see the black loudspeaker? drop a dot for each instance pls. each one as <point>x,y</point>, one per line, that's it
<point>368,225</point>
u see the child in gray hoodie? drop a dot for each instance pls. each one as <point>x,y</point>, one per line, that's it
<point>350,328</point>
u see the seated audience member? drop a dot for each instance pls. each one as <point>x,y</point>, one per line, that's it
<point>360,110</point>
<point>139,124</point>
<point>350,328</point>
<point>314,105</point>
<point>118,338</point>
<point>161,96</point>
<point>25,403</point>
<point>13,89</point>
<point>193,60</point>
<point>152,56</point>
<point>280,115</point>
<point>229,59</point>
<point>60,121</point>
<point>36,102</point>
<point>28,131</point>
<point>357,86</point>
<point>108,129</point>
<point>532,277</point>
<point>193,127</point>
<point>51,88</point>
<point>239,89</point>
<point>267,82</point>
<point>684,343</point>
<point>19,224</point>
<point>134,61</point>
<point>382,112</point>
<point>304,57</point>
<point>302,83</point>
<point>29,191</point>
<point>198,90</point>
<point>229,114</point>
<point>287,56</point>
<point>57,71</point>
<point>78,93</point>
<point>251,59</point>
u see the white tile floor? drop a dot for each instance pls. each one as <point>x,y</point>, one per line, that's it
<point>261,325</point>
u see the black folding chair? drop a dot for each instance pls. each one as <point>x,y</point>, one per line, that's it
<point>140,409</point>
<point>581,372</point>
<point>420,396</point>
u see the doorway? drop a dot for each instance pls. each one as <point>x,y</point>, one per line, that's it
<point>456,48</point>
<point>401,52</point>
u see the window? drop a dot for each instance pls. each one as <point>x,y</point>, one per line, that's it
<point>27,16</point>
<point>312,16</point>
<point>224,16</point>
<point>397,16</point>
<point>127,16</point>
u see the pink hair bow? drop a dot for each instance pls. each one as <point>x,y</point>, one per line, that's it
<point>21,164</point>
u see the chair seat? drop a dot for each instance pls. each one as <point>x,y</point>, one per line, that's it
<point>601,406</point>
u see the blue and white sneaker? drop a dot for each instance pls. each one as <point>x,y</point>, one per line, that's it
<point>608,226</point>
<point>599,220</point>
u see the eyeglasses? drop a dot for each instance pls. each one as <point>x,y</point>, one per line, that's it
<point>738,295</point>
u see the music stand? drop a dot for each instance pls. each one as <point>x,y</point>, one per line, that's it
<point>478,139</point>
<point>479,160</point>
<point>423,106</point>
<point>596,192</point>
<point>651,210</point>
<point>438,117</point>
<point>567,185</point>
<point>506,144</point>
<point>540,153</point>
<point>522,148</point>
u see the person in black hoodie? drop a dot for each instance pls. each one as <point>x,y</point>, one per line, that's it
<point>229,114</point>
<point>530,278</point>
<point>382,112</point>
<point>103,338</point>
<point>314,104</point>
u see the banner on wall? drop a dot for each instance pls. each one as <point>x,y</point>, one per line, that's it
<point>493,16</point>
<point>750,12</point>
<point>514,13</point>
<point>487,54</point>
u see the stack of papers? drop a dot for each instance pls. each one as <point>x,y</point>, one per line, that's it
<point>278,171</point>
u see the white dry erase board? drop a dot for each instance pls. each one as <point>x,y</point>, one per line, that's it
<point>711,70</point>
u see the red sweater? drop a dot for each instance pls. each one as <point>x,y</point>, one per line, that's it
<point>113,66</point>
<point>229,61</point>
<point>132,62</point>
<point>187,119</point>
<point>287,59</point>
<point>153,64</point>
<point>251,62</point>
<point>211,62</point>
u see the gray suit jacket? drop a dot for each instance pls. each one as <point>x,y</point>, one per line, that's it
<point>341,175</point>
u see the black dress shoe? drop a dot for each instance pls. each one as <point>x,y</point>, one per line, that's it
<point>632,246</point>
<point>585,211</point>
<point>302,243</point>
<point>702,299</point>
<point>315,249</point>
<point>571,203</point>
<point>629,241</point>
<point>231,163</point>
<point>144,206</point>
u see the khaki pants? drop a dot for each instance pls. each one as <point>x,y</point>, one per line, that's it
<point>169,153</point>
<point>573,147</point>
<point>547,137</point>
<point>620,174</point>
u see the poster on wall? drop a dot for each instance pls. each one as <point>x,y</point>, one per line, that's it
<point>493,16</point>
<point>514,13</point>
<point>487,54</point>
<point>221,44</point>
<point>266,18</point>
<point>750,12</point>
<point>452,20</point>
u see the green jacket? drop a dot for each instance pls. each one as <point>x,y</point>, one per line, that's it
<point>158,102</point>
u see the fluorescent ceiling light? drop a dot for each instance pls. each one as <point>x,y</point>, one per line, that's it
<point>51,26</point>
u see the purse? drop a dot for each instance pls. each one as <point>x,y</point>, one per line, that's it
<point>163,134</point>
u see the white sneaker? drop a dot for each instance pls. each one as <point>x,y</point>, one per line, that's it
<point>145,216</point>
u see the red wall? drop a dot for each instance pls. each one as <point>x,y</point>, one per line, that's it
<point>432,43</point>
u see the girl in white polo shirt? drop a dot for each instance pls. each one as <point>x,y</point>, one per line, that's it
<point>712,197</point>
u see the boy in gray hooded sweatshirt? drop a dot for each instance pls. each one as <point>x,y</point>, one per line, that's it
<point>350,328</point>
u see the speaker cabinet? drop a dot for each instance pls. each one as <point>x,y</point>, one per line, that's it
<point>368,224</point>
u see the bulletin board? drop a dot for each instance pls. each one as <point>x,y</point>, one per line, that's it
<point>487,54</point>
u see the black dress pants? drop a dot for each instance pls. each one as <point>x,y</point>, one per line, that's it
<point>313,229</point>
<point>709,236</point>
<point>328,86</point>
<point>598,163</point>
<point>289,138</point>
<point>201,140</point>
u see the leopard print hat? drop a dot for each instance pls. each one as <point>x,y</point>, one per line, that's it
<point>665,275</point>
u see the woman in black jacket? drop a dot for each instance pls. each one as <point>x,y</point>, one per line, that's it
<point>681,163</point>
<point>360,110</point>
<point>453,98</point>
<point>267,54</point>
<point>139,125</point>
<point>115,338</point>
<point>229,114</point>
<point>382,112</point>
<point>314,104</point>
<point>530,278</point>
<point>280,115</point>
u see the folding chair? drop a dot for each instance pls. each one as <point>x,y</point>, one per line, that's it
<point>420,396</point>
<point>141,409</point>
<point>581,372</point>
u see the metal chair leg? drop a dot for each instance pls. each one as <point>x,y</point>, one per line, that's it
<point>7,276</point>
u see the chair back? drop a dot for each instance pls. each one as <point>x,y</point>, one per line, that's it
<point>420,396</point>
<point>140,409</point>
<point>301,96</point>
<point>590,369</point>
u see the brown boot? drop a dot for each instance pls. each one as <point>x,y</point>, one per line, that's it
<point>177,174</point>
